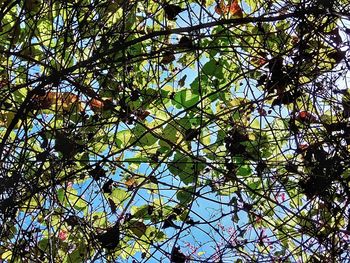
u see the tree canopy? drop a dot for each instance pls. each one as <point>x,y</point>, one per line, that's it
<point>179,131</point>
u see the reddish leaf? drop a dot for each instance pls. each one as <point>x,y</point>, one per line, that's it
<point>232,8</point>
<point>62,235</point>
<point>221,8</point>
<point>302,148</point>
<point>259,61</point>
<point>306,117</point>
<point>262,112</point>
<point>66,100</point>
<point>131,183</point>
<point>141,115</point>
<point>303,115</point>
<point>235,9</point>
<point>96,105</point>
<point>294,40</point>
<point>168,57</point>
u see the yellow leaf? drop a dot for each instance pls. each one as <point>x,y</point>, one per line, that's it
<point>7,255</point>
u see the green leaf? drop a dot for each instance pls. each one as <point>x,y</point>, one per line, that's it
<point>213,68</point>
<point>74,257</point>
<point>119,196</point>
<point>142,136</point>
<point>244,171</point>
<point>123,138</point>
<point>168,133</point>
<point>182,166</point>
<point>142,212</point>
<point>185,195</point>
<point>185,98</point>
<point>138,228</point>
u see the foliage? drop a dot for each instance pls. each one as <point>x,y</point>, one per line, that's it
<point>182,131</point>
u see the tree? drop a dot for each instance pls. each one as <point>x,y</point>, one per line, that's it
<point>181,131</point>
